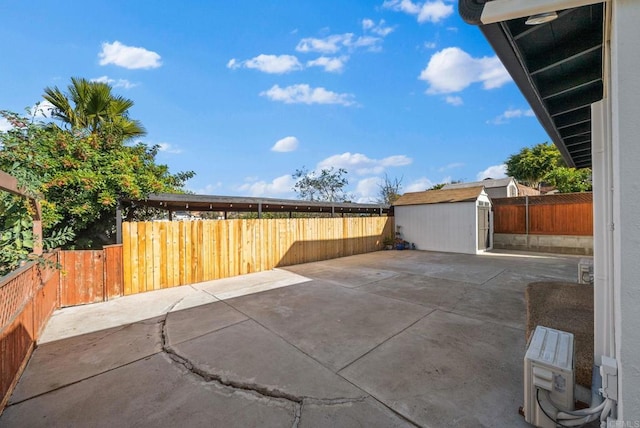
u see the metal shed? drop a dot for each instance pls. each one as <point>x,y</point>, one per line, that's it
<point>455,220</point>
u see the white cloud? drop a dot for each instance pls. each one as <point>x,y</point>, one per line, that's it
<point>495,171</point>
<point>304,94</point>
<point>454,100</point>
<point>367,190</point>
<point>336,42</point>
<point>419,185</point>
<point>380,28</point>
<point>361,164</point>
<point>5,125</point>
<point>452,70</point>
<point>429,11</point>
<point>120,83</point>
<point>430,45</point>
<point>42,110</point>
<point>209,189</point>
<point>286,144</point>
<point>273,64</point>
<point>330,64</point>
<point>278,186</point>
<point>128,56</point>
<point>511,114</point>
<point>328,45</point>
<point>451,166</point>
<point>168,148</point>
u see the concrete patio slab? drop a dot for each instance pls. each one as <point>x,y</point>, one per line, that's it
<point>190,323</point>
<point>333,324</point>
<point>70,322</point>
<point>391,338</point>
<point>346,277</point>
<point>250,284</point>
<point>426,291</point>
<point>448,370</point>
<point>153,392</point>
<point>247,354</point>
<point>494,305</point>
<point>64,362</point>
<point>366,413</point>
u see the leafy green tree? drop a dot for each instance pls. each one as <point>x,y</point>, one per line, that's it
<point>328,185</point>
<point>389,190</point>
<point>532,164</point>
<point>81,176</point>
<point>92,107</point>
<point>568,180</point>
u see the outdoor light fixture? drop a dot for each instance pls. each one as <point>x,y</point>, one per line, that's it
<point>541,18</point>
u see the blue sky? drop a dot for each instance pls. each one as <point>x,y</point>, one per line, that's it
<point>246,92</point>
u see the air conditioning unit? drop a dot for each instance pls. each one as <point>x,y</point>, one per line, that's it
<point>548,366</point>
<point>585,271</point>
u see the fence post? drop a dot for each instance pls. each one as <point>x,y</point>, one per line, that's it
<point>526,216</point>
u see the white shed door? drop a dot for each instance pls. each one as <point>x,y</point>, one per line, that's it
<point>483,227</point>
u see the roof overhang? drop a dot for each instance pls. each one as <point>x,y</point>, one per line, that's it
<point>557,65</point>
<point>190,202</point>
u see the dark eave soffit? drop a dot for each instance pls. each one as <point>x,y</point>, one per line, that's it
<point>558,68</point>
<point>190,202</point>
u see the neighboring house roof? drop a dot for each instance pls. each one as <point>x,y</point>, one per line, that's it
<point>440,196</point>
<point>526,190</point>
<point>488,184</point>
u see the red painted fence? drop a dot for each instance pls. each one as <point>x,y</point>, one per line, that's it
<point>29,295</point>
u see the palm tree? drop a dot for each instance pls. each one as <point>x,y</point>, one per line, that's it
<point>91,106</point>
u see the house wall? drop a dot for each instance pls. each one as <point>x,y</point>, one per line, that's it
<point>497,192</point>
<point>625,129</point>
<point>440,227</point>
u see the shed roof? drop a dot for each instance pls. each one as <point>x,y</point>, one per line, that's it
<point>441,196</point>
<point>488,183</point>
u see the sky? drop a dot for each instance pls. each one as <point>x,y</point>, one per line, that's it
<point>245,93</point>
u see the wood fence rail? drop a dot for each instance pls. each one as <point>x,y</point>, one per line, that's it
<point>563,214</point>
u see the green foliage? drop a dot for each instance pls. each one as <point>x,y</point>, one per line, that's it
<point>16,233</point>
<point>389,190</point>
<point>532,164</point>
<point>81,176</point>
<point>568,180</point>
<point>326,186</point>
<point>90,106</point>
<point>543,162</point>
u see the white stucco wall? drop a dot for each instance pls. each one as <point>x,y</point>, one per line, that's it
<point>625,131</point>
<point>448,227</point>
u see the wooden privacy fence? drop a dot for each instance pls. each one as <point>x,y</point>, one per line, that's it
<point>167,254</point>
<point>90,276</point>
<point>561,214</point>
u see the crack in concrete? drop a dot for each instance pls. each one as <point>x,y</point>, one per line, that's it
<point>264,391</point>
